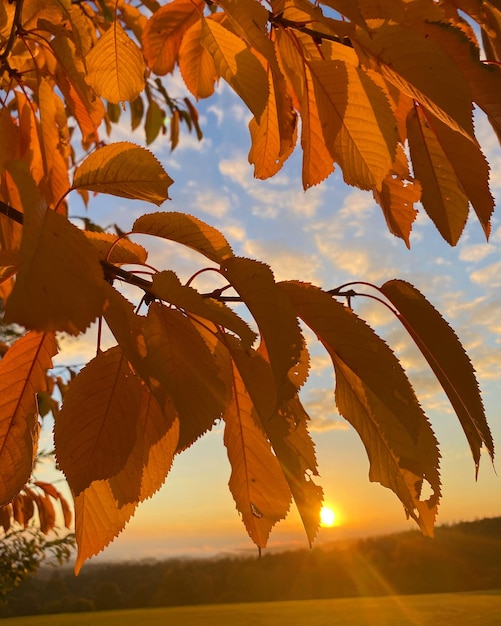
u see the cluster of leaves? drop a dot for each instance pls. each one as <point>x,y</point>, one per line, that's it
<point>367,79</point>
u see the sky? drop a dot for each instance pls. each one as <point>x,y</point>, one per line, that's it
<point>329,235</point>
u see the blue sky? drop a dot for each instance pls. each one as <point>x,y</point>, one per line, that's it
<point>329,235</point>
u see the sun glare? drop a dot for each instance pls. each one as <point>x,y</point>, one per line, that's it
<point>327,517</point>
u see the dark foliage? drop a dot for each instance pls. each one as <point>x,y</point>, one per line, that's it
<point>462,557</point>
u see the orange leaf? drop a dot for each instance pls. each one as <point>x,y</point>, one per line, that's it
<point>103,509</point>
<point>178,357</point>
<point>60,282</point>
<point>98,520</point>
<point>155,427</point>
<point>95,430</point>
<point>397,196</point>
<point>443,199</point>
<point>164,32</point>
<point>295,450</point>
<point>125,170</point>
<point>185,229</point>
<point>167,286</point>
<point>236,64</point>
<point>358,125</point>
<point>421,69</point>
<point>196,63</point>
<point>317,160</point>
<point>375,396</point>
<point>22,375</point>
<point>287,432</point>
<point>116,249</point>
<point>276,319</point>
<point>115,66</point>
<point>257,482</point>
<point>447,358</point>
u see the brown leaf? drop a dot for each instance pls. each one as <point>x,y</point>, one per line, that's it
<point>447,358</point>
<point>185,229</point>
<point>60,282</point>
<point>116,249</point>
<point>126,170</point>
<point>95,430</point>
<point>287,432</point>
<point>22,375</point>
<point>180,360</point>
<point>281,337</point>
<point>374,395</point>
<point>443,199</point>
<point>167,286</point>
<point>257,483</point>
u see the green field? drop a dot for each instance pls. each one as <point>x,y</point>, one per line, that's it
<point>459,609</point>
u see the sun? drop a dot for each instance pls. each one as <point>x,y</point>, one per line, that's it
<point>327,517</point>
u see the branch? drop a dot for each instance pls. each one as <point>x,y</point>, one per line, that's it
<point>16,26</point>
<point>316,35</point>
<point>112,272</point>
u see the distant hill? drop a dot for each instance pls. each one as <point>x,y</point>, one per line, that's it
<point>461,557</point>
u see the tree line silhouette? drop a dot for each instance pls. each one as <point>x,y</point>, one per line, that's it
<point>461,557</point>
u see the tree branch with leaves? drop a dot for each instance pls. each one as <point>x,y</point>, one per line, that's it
<point>384,91</point>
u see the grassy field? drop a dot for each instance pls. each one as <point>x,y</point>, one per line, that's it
<point>459,609</point>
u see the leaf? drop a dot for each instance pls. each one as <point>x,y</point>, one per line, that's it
<point>166,285</point>
<point>358,125</point>
<point>281,338</point>
<point>70,73</point>
<point>442,198</point>
<point>269,148</point>
<point>53,125</point>
<point>115,66</point>
<point>420,68</point>
<point>374,395</point>
<point>154,121</point>
<point>95,430</point>
<point>161,437</point>
<point>59,284</point>
<point>236,64</point>
<point>257,483</point>
<point>317,160</point>
<point>286,430</point>
<point>447,358</point>
<point>118,250</point>
<point>185,229</point>
<point>125,170</point>
<point>196,63</point>
<point>22,375</point>
<point>470,168</point>
<point>151,457</point>
<point>397,196</point>
<point>179,359</point>
<point>296,452</point>
<point>98,520</point>
<point>164,32</point>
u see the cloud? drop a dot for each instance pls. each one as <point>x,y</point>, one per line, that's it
<point>287,263</point>
<point>212,202</point>
<point>476,252</point>
<point>274,197</point>
<point>321,408</point>
<point>488,276</point>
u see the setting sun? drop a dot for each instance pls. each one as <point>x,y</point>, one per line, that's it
<point>327,517</point>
